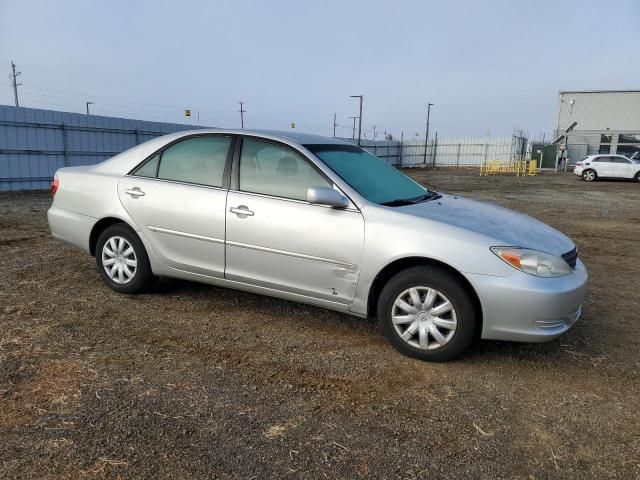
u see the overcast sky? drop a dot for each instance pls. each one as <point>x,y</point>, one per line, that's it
<point>486,65</point>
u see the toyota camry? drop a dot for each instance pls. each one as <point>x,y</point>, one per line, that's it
<point>321,221</point>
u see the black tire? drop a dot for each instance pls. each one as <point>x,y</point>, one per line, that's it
<point>142,277</point>
<point>637,177</point>
<point>586,175</point>
<point>445,282</point>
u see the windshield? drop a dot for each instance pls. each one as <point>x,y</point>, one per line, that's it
<point>369,176</point>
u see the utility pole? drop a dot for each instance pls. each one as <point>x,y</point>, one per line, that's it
<point>353,135</point>
<point>242,112</point>
<point>426,140</point>
<point>14,79</point>
<point>359,118</point>
<point>334,125</point>
<point>88,103</point>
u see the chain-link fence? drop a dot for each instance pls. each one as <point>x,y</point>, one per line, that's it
<point>447,152</point>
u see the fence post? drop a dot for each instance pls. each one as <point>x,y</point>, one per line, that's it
<point>401,146</point>
<point>137,136</point>
<point>65,144</point>
<point>458,157</point>
<point>435,151</point>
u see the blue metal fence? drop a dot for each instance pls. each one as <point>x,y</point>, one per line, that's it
<point>34,143</point>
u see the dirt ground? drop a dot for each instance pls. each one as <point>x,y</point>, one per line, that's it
<point>193,381</point>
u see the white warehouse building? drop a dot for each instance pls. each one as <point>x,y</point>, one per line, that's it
<point>608,121</point>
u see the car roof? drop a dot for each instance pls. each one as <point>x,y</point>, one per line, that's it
<point>302,138</point>
<point>290,136</point>
<point>126,160</point>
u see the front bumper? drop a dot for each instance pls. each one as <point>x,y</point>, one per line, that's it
<point>525,308</point>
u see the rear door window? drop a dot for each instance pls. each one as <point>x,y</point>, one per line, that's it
<point>150,168</point>
<point>197,160</point>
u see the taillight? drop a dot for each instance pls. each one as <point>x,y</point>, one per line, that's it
<point>579,164</point>
<point>54,186</point>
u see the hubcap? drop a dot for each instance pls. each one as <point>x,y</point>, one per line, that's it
<point>424,318</point>
<point>119,260</point>
<point>589,175</point>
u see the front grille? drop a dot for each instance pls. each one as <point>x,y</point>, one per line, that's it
<point>571,257</point>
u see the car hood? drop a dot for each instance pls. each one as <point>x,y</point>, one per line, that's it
<point>507,227</point>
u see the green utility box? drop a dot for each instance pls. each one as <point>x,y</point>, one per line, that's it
<point>546,153</point>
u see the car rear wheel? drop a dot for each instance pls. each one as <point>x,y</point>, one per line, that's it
<point>122,260</point>
<point>589,175</point>
<point>637,177</point>
<point>425,312</point>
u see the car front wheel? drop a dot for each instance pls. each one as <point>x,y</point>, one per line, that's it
<point>122,260</point>
<point>425,312</point>
<point>589,175</point>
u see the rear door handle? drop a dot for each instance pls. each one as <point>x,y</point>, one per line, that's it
<point>134,192</point>
<point>242,211</point>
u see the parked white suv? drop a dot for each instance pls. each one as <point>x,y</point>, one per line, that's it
<point>593,167</point>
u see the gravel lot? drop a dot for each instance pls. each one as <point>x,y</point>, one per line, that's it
<point>193,381</point>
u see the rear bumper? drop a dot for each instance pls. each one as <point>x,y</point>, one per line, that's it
<point>578,171</point>
<point>525,308</point>
<point>70,227</point>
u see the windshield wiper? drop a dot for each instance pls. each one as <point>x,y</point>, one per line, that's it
<point>398,202</point>
<point>426,197</point>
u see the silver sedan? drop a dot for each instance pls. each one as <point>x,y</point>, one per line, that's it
<point>321,221</point>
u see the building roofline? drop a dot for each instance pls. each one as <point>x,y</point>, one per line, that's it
<point>562,92</point>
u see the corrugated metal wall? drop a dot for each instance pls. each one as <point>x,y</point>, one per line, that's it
<point>612,110</point>
<point>35,143</point>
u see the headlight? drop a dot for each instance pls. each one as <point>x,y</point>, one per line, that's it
<point>540,264</point>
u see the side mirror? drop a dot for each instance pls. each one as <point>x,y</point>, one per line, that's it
<point>327,196</point>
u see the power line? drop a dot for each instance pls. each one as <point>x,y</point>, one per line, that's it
<point>112,111</point>
<point>158,113</point>
<point>14,76</point>
<point>65,93</point>
<point>167,110</point>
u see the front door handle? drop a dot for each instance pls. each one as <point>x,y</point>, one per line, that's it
<point>135,192</point>
<point>242,211</point>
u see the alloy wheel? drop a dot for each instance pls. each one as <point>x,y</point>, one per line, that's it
<point>119,260</point>
<point>589,176</point>
<point>424,318</point>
